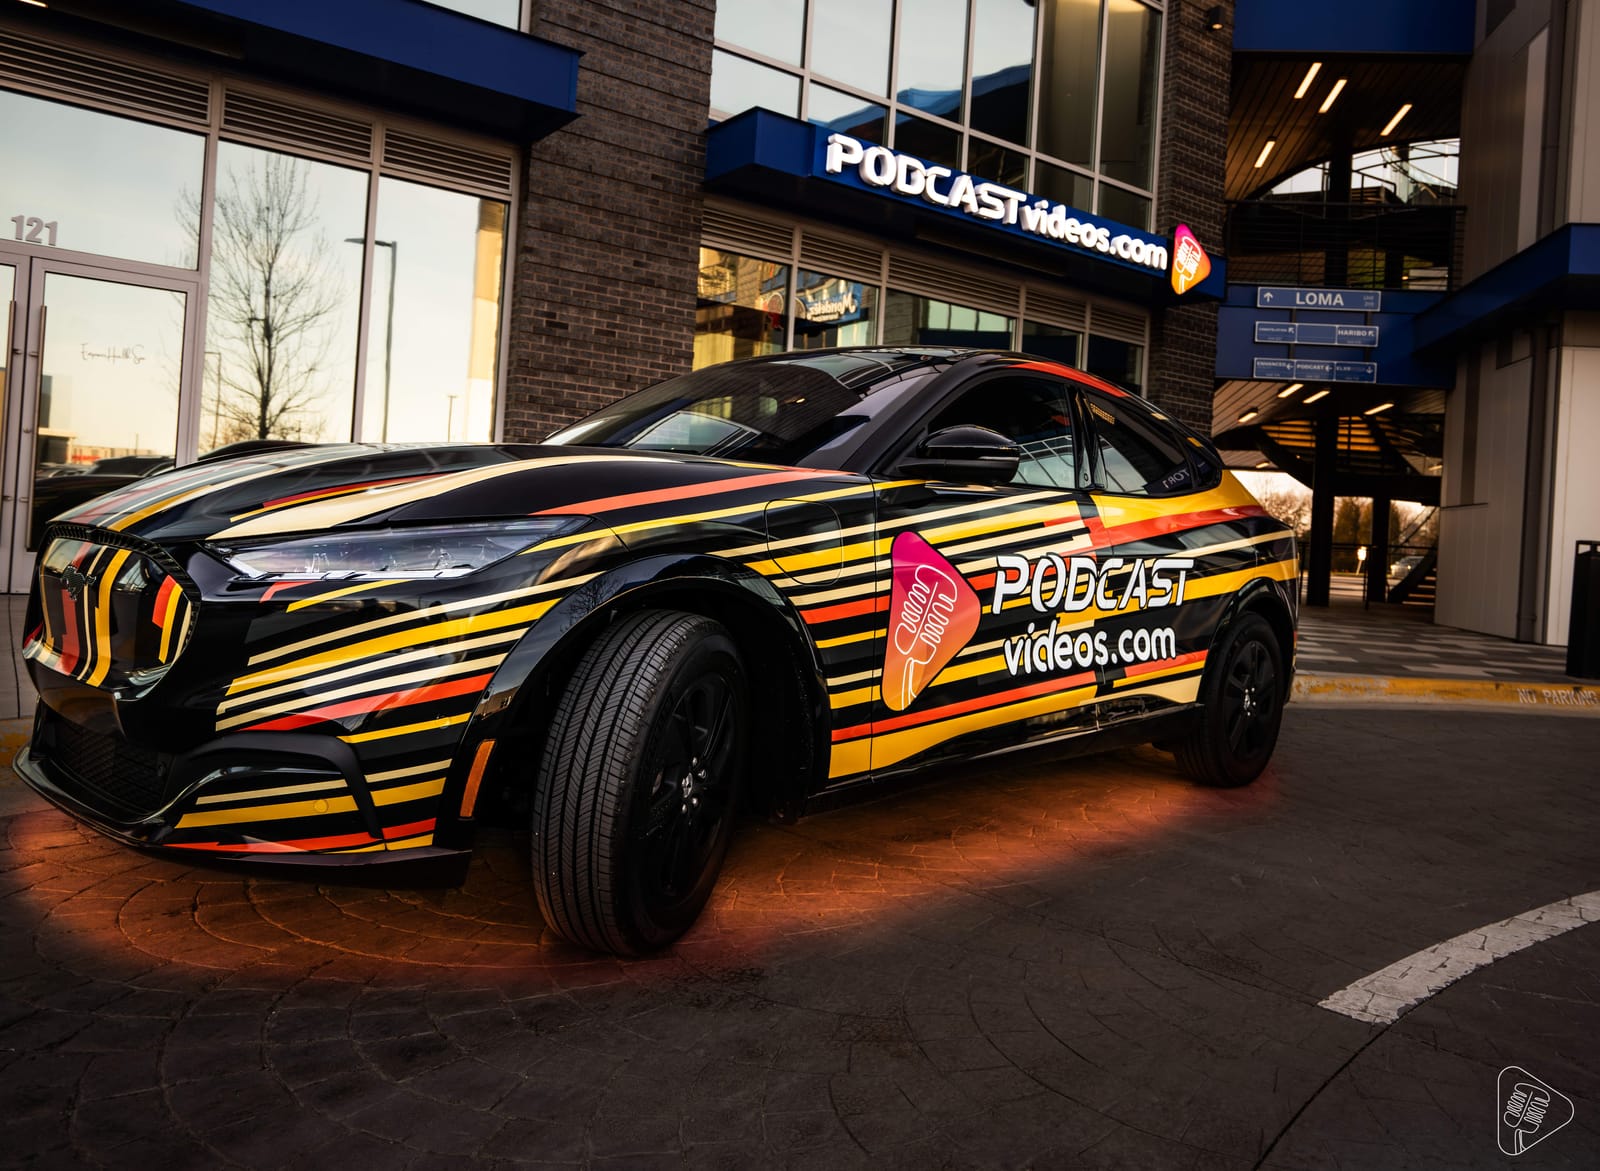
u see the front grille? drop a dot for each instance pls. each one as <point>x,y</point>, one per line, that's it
<point>112,772</point>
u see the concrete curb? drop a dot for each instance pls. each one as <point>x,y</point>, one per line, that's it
<point>1577,698</point>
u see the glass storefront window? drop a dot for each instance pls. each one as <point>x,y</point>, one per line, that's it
<point>1063,186</point>
<point>912,320</point>
<point>434,330</point>
<point>933,44</point>
<point>773,28</point>
<point>1002,68</point>
<point>847,114</point>
<point>850,42</point>
<point>1051,341</point>
<point>1067,80</point>
<point>993,161</point>
<point>929,141</point>
<point>739,311</point>
<point>1128,118</point>
<point>506,12</point>
<point>1124,206</point>
<point>284,299</point>
<point>1117,360</point>
<point>58,162</point>
<point>737,84</point>
<point>833,311</point>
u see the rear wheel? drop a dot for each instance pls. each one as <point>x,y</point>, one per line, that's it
<point>1242,707</point>
<point>639,783</point>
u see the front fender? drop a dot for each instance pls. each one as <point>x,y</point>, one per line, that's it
<point>546,652</point>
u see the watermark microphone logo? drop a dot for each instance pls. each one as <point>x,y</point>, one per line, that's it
<point>1530,1110</point>
<point>933,613</point>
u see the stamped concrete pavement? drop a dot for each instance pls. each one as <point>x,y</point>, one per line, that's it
<point>1031,964</point>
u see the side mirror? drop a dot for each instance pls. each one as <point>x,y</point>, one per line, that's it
<point>964,454</point>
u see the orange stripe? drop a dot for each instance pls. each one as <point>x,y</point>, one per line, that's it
<point>845,610</point>
<point>1075,375</point>
<point>684,492</point>
<point>1138,669</point>
<point>979,703</point>
<point>410,829</point>
<point>294,846</point>
<point>1159,526</point>
<point>320,493</point>
<point>371,703</point>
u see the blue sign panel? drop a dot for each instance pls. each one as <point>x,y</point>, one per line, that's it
<point>1349,300</point>
<point>1306,333</point>
<point>1307,370</point>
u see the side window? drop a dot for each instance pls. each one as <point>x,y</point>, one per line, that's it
<point>1035,414</point>
<point>1137,457</point>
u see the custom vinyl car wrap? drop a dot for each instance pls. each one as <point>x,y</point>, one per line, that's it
<point>189,707</point>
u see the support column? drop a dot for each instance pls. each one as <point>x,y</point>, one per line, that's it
<point>1378,551</point>
<point>1319,570</point>
<point>1336,260</point>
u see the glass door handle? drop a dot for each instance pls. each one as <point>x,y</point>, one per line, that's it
<point>38,367</point>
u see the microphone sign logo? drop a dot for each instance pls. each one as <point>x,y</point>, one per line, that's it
<point>1530,1111</point>
<point>933,613</point>
<point>1190,264</point>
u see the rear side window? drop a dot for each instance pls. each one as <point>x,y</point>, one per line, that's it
<point>1138,457</point>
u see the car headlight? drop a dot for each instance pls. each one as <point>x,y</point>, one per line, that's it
<point>439,551</point>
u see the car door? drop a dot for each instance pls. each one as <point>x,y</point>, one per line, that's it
<point>981,650</point>
<point>1170,544</point>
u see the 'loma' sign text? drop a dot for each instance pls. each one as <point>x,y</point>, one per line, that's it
<point>878,166</point>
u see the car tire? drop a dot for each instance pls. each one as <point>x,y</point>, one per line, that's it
<point>639,782</point>
<point>1242,707</point>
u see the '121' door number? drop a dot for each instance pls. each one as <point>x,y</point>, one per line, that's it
<point>30,227</point>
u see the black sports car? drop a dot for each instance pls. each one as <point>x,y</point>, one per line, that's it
<point>765,583</point>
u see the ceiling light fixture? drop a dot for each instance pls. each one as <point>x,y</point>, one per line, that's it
<point>1311,398</point>
<point>1261,159</point>
<point>1290,389</point>
<point>1376,409</point>
<point>1333,96</point>
<point>1266,463</point>
<point>1305,82</point>
<point>1214,18</point>
<point>1395,121</point>
<point>1248,415</point>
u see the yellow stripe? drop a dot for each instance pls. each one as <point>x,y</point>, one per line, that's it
<point>166,623</point>
<point>439,631</point>
<point>1138,681</point>
<point>269,812</point>
<point>411,843</point>
<point>1123,510</point>
<point>844,699</point>
<point>897,746</point>
<point>407,729</point>
<point>102,619</point>
<point>844,638</point>
<point>402,793</point>
<point>850,758</point>
<point>318,599</point>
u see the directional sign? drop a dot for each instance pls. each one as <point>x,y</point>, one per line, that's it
<point>1349,300</point>
<point>1308,370</point>
<point>1306,333</point>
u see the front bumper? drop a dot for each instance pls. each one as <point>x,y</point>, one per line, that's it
<point>271,797</point>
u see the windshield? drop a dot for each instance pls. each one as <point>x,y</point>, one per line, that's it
<point>777,411</point>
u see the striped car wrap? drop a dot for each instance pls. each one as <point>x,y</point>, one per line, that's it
<point>392,669</point>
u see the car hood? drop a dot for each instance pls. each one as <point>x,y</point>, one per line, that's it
<point>313,489</point>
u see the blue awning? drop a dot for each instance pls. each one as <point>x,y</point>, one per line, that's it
<point>394,53</point>
<point>1426,27</point>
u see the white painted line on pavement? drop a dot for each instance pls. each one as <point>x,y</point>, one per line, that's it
<point>1381,997</point>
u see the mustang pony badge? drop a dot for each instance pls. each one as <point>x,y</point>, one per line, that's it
<point>933,614</point>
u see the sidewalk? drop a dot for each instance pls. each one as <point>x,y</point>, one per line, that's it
<point>1350,652</point>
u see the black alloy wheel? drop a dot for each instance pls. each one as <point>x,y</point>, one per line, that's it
<point>1242,707</point>
<point>639,782</point>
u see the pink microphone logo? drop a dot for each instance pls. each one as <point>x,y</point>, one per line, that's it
<point>933,613</point>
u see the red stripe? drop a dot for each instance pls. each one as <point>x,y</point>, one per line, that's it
<point>1138,669</point>
<point>684,492</point>
<point>279,586</point>
<point>1076,375</point>
<point>318,493</point>
<point>845,610</point>
<point>69,633</point>
<point>372,703</point>
<point>1159,526</point>
<point>165,592</point>
<point>410,830</point>
<point>294,846</point>
<point>1065,683</point>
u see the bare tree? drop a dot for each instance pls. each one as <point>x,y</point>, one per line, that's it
<point>273,303</point>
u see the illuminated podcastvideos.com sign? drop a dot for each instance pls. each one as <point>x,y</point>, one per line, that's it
<point>888,170</point>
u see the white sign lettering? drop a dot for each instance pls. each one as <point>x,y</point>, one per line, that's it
<point>878,166</point>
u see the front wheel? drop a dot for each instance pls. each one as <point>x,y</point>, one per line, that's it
<point>639,782</point>
<point>1242,707</point>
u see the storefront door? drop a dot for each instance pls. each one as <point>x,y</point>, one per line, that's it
<point>91,370</point>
